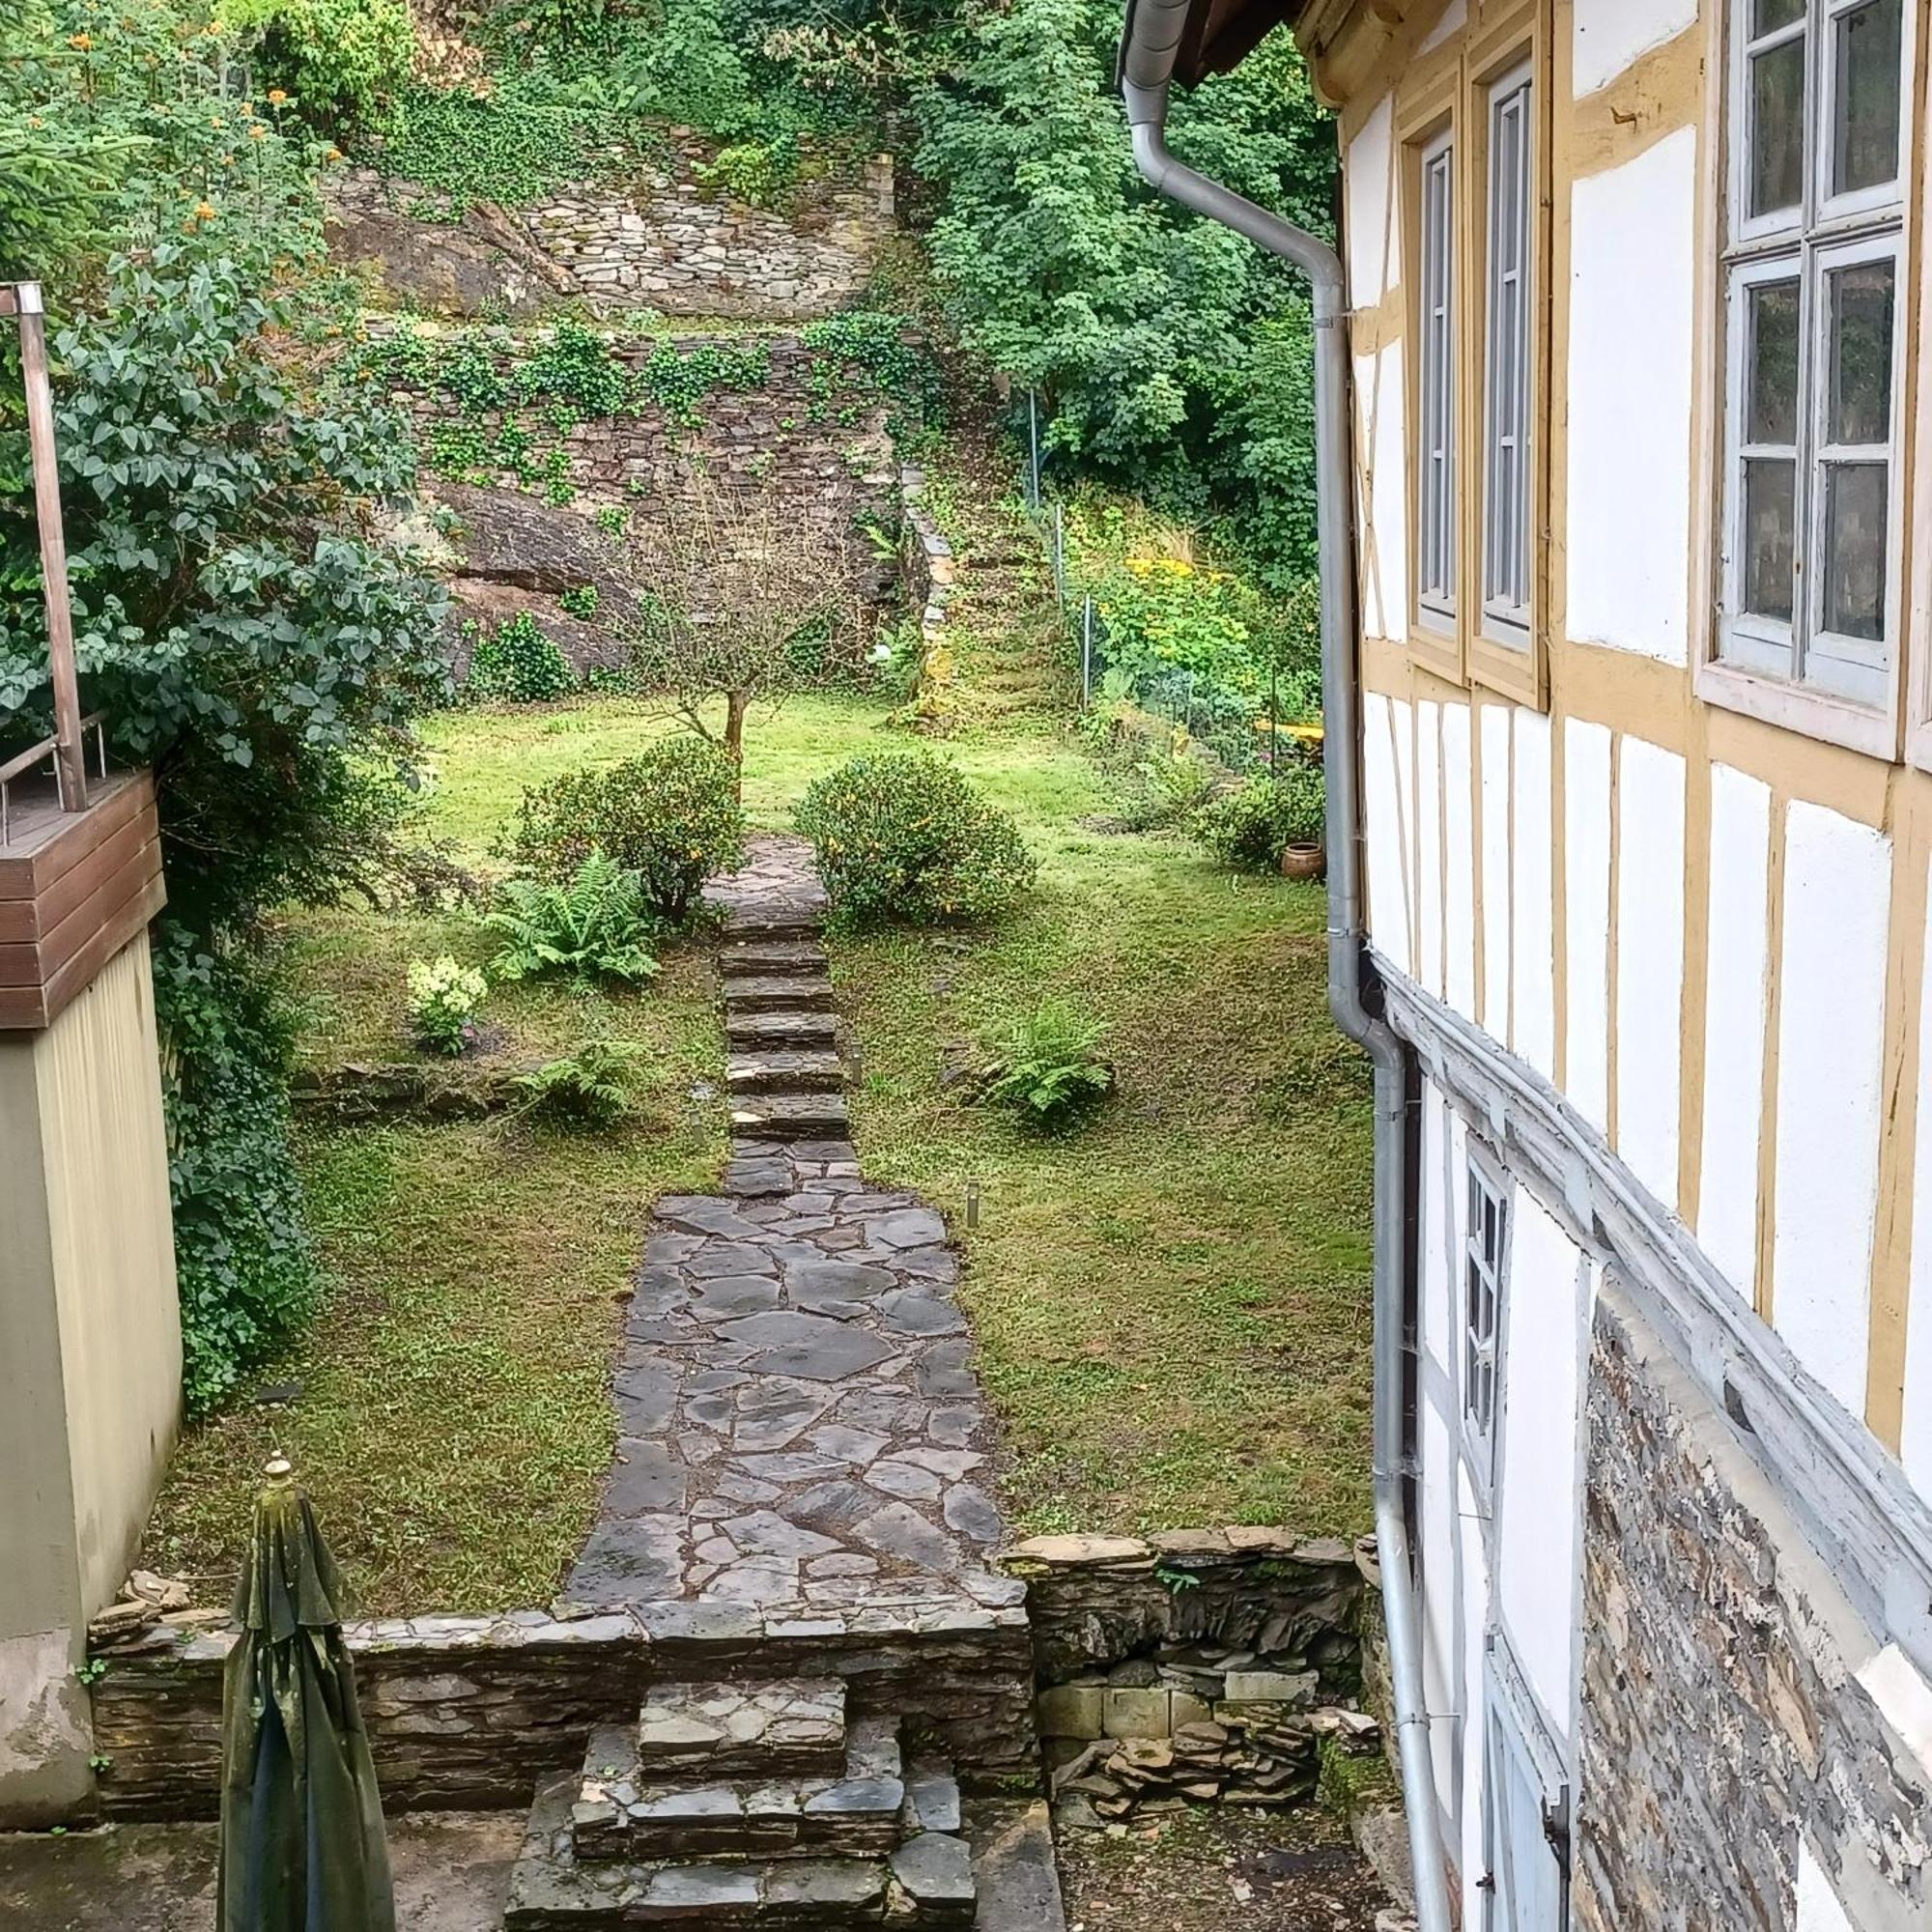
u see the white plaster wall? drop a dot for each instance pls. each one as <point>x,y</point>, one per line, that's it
<point>1388,889</point>
<point>1455,17</point>
<point>1818,1904</point>
<point>1470,1703</point>
<point>1402,716</point>
<point>1538,1502</point>
<point>1734,1018</point>
<point>1458,864</point>
<point>1384,549</point>
<point>1428,843</point>
<point>1531,909</point>
<point>1608,35</point>
<point>1368,207</point>
<point>1831,1040</point>
<point>1441,1661</point>
<point>1438,1236</point>
<point>1632,332</point>
<point>1915,1444</point>
<point>1495,906</point>
<point>1649,961</point>
<point>1586,919</point>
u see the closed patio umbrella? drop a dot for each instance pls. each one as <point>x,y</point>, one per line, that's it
<point>301,1821</point>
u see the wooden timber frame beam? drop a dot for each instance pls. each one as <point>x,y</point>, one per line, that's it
<point>22,301</point>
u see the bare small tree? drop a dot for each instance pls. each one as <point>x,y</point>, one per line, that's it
<point>737,584</point>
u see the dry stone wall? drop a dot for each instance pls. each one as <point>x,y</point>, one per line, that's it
<point>1722,1718</point>
<point>661,239</point>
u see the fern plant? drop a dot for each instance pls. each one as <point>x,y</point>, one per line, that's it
<point>1047,1066</point>
<point>593,928</point>
<point>589,1088</point>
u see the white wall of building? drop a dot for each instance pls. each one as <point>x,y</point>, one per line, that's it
<point>1606,36</point>
<point>1586,919</point>
<point>1649,962</point>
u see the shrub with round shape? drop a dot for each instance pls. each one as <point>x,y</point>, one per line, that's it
<point>903,835</point>
<point>1250,829</point>
<point>671,814</point>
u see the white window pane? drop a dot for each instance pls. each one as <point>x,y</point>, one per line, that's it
<point>1769,527</point>
<point>1770,390</point>
<point>1436,476</point>
<point>1506,488</point>
<point>1775,135</point>
<point>1856,498</point>
<point>1864,114</point>
<point>1768,14</point>
<point>1860,306</point>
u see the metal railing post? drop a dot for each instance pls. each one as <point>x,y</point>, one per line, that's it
<point>23,300</point>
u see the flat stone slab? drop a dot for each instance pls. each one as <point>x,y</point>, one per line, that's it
<point>774,955</point>
<point>793,1070</point>
<point>775,993</point>
<point>786,1726</point>
<point>802,1429</point>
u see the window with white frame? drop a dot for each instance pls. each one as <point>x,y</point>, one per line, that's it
<point>1508,363</point>
<point>1436,536</point>
<point>1811,529</point>
<point>1485,1277</point>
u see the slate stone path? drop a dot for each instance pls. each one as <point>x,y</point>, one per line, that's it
<point>800,1423</point>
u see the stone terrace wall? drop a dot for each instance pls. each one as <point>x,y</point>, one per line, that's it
<point>1720,1719</point>
<point>661,241</point>
<point>471,1712</point>
<point>514,550</point>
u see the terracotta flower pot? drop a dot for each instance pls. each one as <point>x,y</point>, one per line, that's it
<point>1305,862</point>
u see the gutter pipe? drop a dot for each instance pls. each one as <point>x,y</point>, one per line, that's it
<point>1150,46</point>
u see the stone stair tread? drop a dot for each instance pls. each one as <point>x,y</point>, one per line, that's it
<point>785,1725</point>
<point>789,1116</point>
<point>781,956</point>
<point>791,1070</point>
<point>857,1812</point>
<point>767,992</point>
<point>781,1029</point>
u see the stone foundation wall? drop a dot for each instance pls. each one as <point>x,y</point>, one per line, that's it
<point>661,239</point>
<point>1723,1721</point>
<point>471,1712</point>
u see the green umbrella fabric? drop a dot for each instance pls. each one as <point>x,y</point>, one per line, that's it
<point>301,1820</point>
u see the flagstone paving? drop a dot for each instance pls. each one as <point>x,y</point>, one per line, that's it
<point>800,1422</point>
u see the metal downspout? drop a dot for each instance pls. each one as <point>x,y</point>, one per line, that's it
<point>1150,46</point>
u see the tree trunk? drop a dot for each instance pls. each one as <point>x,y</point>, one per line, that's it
<point>736,705</point>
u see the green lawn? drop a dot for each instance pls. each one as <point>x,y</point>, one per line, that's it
<point>1172,1303</point>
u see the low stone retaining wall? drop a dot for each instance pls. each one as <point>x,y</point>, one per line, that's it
<point>1193,1666</point>
<point>472,1711</point>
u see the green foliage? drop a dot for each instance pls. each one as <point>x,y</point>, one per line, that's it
<point>344,61</point>
<point>591,1086</point>
<point>444,997</point>
<point>670,816</point>
<point>1145,330</point>
<point>1162,791</point>
<point>1250,829</point>
<point>1048,1068</point>
<point>245,1269</point>
<point>1165,614</point>
<point>593,926</point>
<point>903,835</point>
<point>579,601</point>
<point>517,664</point>
<point>128,125</point>
<point>759,172</point>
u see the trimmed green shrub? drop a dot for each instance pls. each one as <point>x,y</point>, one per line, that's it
<point>517,664</point>
<point>444,997</point>
<point>671,815</point>
<point>1047,1066</point>
<point>902,835</point>
<point>1251,828</point>
<point>594,928</point>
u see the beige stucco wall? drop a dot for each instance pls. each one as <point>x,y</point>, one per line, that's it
<point>90,1355</point>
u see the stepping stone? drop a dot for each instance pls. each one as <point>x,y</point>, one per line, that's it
<point>789,1116</point>
<point>776,993</point>
<point>781,956</point>
<point>780,1031</point>
<point>935,1870</point>
<point>793,1726</point>
<point>811,1347</point>
<point>785,1072</point>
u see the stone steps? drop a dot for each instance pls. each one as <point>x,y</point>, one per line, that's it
<point>777,993</point>
<point>781,1032</point>
<point>774,957</point>
<point>785,1071</point>
<point>785,1726</point>
<point>791,1117</point>
<point>857,1814</point>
